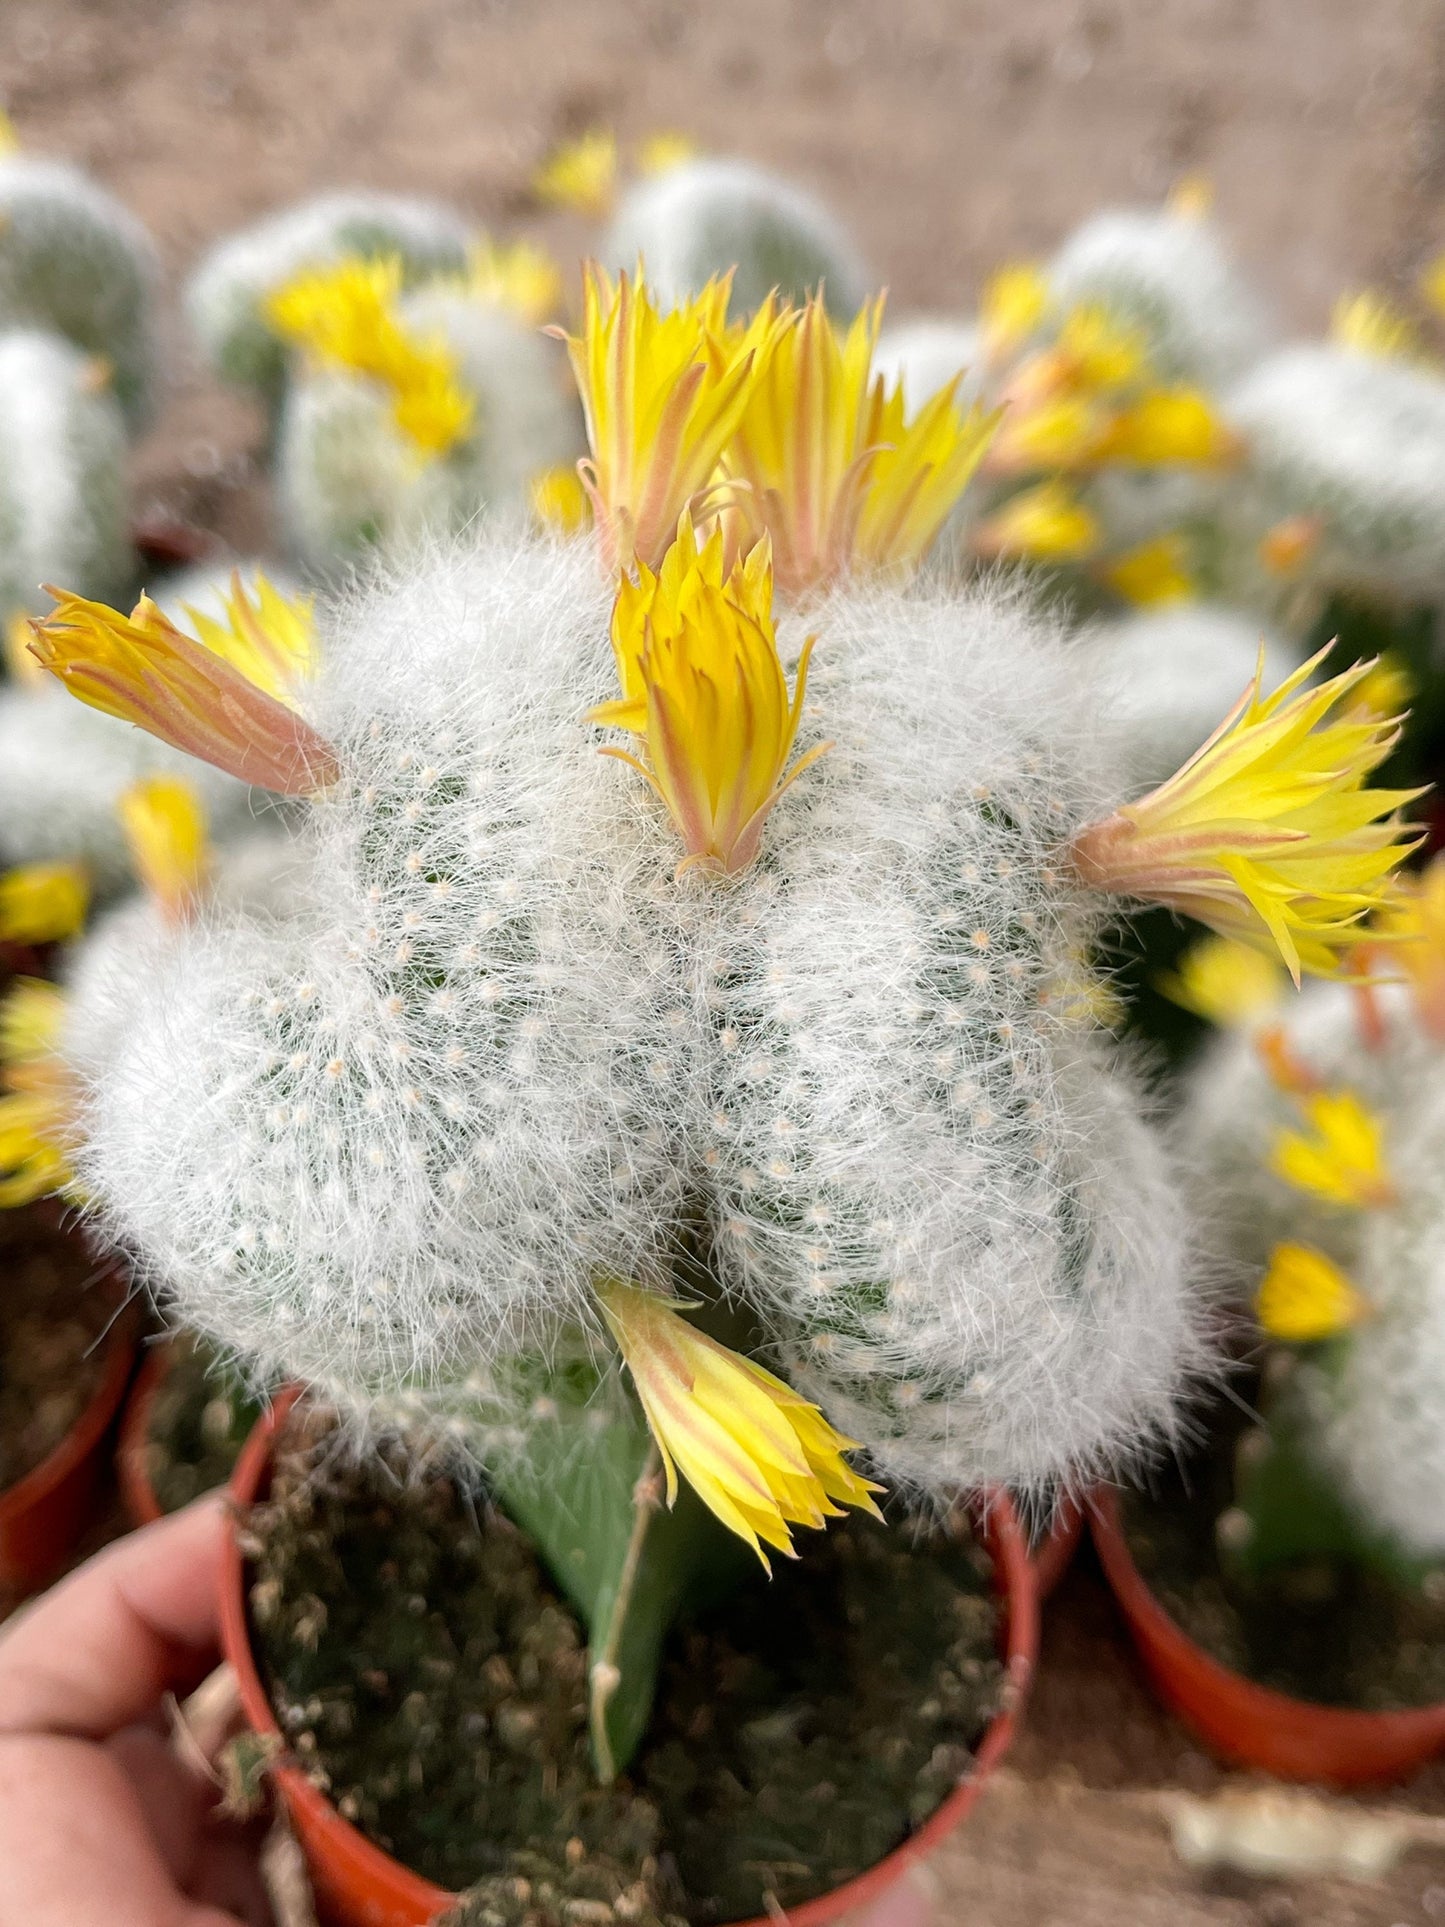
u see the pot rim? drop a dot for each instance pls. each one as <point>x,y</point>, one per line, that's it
<point>1014,1582</point>
<point>138,1494</point>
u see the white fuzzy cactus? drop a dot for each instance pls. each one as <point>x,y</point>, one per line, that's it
<point>225,296</point>
<point>705,216</point>
<point>63,491</point>
<point>349,479</point>
<point>393,1144</point>
<point>1167,273</point>
<point>1174,672</point>
<point>74,262</point>
<point>1355,443</point>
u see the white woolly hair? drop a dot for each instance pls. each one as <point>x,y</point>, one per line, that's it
<point>1173,674</point>
<point>349,479</point>
<point>1358,441</point>
<point>1168,274</point>
<point>74,262</point>
<point>708,215</point>
<point>390,1145</point>
<point>224,295</point>
<point>932,1178</point>
<point>63,493</point>
<point>925,355</point>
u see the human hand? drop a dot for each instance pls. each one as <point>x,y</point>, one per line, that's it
<point>100,1823</point>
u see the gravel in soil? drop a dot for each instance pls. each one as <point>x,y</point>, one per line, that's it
<point>53,1320</point>
<point>434,1686</point>
<point>199,1419</point>
<point>1324,1630</point>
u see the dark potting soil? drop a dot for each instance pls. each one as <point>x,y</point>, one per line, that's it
<point>199,1420</point>
<point>434,1685</point>
<point>53,1355</point>
<point>1325,1629</point>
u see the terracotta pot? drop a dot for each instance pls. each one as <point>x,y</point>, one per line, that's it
<point>1054,1554</point>
<point>43,1514</point>
<point>132,1472</point>
<point>357,1885</point>
<point>1246,1723</point>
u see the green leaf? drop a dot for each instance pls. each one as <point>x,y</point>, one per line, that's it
<point>628,1563</point>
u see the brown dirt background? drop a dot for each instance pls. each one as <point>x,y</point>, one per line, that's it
<point>951,134</point>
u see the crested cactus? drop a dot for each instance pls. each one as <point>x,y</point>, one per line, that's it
<point>227,294</point>
<point>351,471</point>
<point>781,1011</point>
<point>704,217</point>
<point>74,262</point>
<point>63,490</point>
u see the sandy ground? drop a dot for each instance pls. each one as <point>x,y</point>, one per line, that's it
<point>950,134</point>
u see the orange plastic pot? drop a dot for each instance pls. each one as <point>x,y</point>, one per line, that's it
<point>132,1472</point>
<point>1246,1723</point>
<point>357,1885</point>
<point>1054,1554</point>
<point>43,1514</point>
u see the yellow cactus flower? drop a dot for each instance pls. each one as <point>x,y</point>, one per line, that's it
<point>516,275</point>
<point>705,690</point>
<point>581,174</point>
<point>1168,427</point>
<point>9,139</point>
<point>269,638</point>
<point>1046,523</point>
<point>1341,1158</point>
<point>1387,689</point>
<point>165,829</point>
<point>827,463</point>
<point>1373,325</point>
<point>662,393</point>
<point>43,902</point>
<point>1406,942</point>
<point>1096,352</point>
<point>1154,575</point>
<point>144,670</point>
<point>23,667</point>
<point>1228,983</point>
<point>1305,1296</point>
<point>1012,307</point>
<point>660,153</point>
<point>1191,198</point>
<point>1432,284</point>
<point>1268,833</point>
<point>37,1106</point>
<point>757,1455</point>
<point>559,500</point>
<point>1059,431</point>
<point>345,315</point>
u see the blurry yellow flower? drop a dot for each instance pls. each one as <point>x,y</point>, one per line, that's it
<point>758,1456</point>
<point>1304,1296</point>
<point>1154,575</point>
<point>703,687</point>
<point>1341,1158</point>
<point>1046,523</point>
<point>1432,284</point>
<point>1098,352</point>
<point>22,665</point>
<point>165,829</point>
<point>1012,308</point>
<point>1406,942</point>
<point>345,315</point>
<point>1387,689</point>
<point>1191,198</point>
<point>1288,545</point>
<point>515,275</point>
<point>267,637</point>
<point>37,1107</point>
<point>581,174</point>
<point>660,153</point>
<point>43,902</point>
<point>1167,427</point>
<point>827,464</point>
<point>662,394</point>
<point>144,670</point>
<point>559,501</point>
<point>1227,983</point>
<point>9,139</point>
<point>1268,833</point>
<point>1060,431</point>
<point>1372,325</point>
